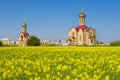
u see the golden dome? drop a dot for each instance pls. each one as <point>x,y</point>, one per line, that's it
<point>24,24</point>
<point>82,15</point>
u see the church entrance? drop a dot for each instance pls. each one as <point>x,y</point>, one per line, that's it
<point>21,40</point>
<point>70,41</point>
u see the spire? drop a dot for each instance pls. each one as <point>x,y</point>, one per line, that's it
<point>82,17</point>
<point>82,10</point>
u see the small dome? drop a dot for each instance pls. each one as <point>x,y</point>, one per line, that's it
<point>82,15</point>
<point>24,24</point>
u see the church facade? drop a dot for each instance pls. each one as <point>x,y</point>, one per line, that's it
<point>23,36</point>
<point>82,34</point>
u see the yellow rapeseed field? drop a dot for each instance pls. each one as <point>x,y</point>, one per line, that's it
<point>60,63</point>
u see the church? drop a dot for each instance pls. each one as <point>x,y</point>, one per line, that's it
<point>82,34</point>
<point>23,36</point>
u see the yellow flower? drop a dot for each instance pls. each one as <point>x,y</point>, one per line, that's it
<point>37,78</point>
<point>64,67</point>
<point>27,72</point>
<point>58,78</point>
<point>96,77</point>
<point>107,78</point>
<point>118,68</point>
<point>67,77</point>
<point>48,76</point>
<point>76,79</point>
<point>59,67</point>
<point>4,74</point>
<point>81,75</point>
<point>74,72</point>
<point>30,79</point>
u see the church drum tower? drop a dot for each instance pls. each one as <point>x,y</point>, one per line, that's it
<point>23,36</point>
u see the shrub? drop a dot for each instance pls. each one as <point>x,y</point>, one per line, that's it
<point>33,41</point>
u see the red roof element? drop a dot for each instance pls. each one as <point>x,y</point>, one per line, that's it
<point>82,27</point>
<point>25,34</point>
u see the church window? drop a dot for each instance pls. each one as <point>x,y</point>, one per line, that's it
<point>80,37</point>
<point>21,38</point>
<point>84,37</point>
<point>73,37</point>
<point>73,34</point>
<point>90,34</point>
<point>91,40</point>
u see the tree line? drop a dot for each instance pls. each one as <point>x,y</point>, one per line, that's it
<point>35,41</point>
<point>115,43</point>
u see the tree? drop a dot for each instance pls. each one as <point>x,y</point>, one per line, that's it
<point>33,41</point>
<point>116,43</point>
<point>1,44</point>
<point>99,43</point>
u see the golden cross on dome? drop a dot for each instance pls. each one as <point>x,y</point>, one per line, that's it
<point>24,20</point>
<point>82,9</point>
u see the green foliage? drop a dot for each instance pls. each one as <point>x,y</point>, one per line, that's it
<point>33,41</point>
<point>1,44</point>
<point>99,42</point>
<point>116,43</point>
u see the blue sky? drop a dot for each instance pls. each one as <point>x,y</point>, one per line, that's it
<point>51,19</point>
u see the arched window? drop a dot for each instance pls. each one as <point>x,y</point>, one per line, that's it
<point>84,36</point>
<point>21,38</point>
<point>73,37</point>
<point>91,40</point>
<point>90,34</point>
<point>80,37</point>
<point>73,34</point>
